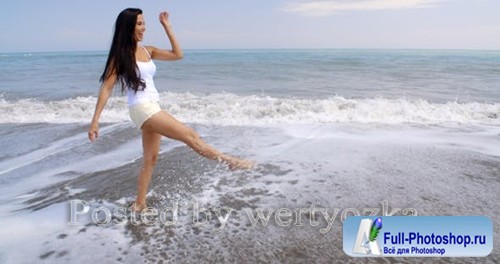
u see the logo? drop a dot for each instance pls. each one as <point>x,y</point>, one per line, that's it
<point>418,236</point>
<point>366,240</point>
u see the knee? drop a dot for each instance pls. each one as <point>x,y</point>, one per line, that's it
<point>150,160</point>
<point>191,137</point>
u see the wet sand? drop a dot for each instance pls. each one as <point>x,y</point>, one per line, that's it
<point>464,183</point>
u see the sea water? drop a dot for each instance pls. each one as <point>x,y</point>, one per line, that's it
<point>339,129</point>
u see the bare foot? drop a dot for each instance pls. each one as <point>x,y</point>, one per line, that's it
<point>135,207</point>
<point>236,164</point>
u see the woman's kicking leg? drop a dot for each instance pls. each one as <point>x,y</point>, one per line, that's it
<point>166,125</point>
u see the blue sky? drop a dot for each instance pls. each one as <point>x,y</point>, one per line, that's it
<point>62,25</point>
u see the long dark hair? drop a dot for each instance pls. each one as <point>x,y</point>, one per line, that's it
<point>121,58</point>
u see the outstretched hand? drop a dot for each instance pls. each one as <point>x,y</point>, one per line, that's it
<point>93,132</point>
<point>164,19</point>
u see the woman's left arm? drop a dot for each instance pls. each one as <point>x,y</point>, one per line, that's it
<point>176,52</point>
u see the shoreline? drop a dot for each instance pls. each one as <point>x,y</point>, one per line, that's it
<point>434,173</point>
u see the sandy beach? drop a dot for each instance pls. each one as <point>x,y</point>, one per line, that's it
<point>335,133</point>
<point>395,169</point>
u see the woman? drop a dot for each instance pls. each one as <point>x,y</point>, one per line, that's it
<point>132,65</point>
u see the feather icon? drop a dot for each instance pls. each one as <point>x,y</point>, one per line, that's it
<point>376,226</point>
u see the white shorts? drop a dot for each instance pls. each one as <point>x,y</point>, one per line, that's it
<point>142,111</point>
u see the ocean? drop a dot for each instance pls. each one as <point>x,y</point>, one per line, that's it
<point>402,130</point>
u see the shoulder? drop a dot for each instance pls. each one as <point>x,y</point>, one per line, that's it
<point>161,54</point>
<point>150,49</point>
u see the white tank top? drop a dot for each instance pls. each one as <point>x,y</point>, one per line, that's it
<point>146,72</point>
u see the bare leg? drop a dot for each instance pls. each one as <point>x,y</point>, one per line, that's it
<point>164,124</point>
<point>151,147</point>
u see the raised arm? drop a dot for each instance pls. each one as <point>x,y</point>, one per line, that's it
<point>161,54</point>
<point>104,93</point>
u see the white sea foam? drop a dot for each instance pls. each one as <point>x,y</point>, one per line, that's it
<point>230,109</point>
<point>26,237</point>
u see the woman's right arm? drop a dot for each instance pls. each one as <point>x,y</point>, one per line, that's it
<point>104,94</point>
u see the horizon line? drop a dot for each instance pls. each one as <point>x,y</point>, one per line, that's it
<point>225,49</point>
